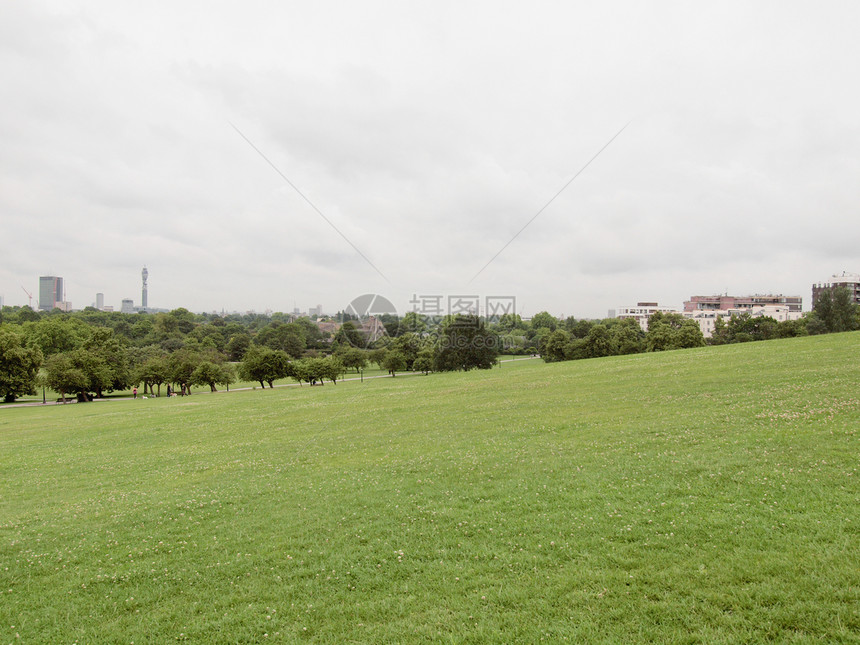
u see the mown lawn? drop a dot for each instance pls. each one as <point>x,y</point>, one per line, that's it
<point>695,496</point>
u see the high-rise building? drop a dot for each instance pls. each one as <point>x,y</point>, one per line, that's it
<point>850,281</point>
<point>127,306</point>
<point>50,292</point>
<point>143,299</point>
<point>100,301</point>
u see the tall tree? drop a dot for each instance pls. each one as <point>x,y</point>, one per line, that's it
<point>464,344</point>
<point>352,358</point>
<point>598,342</point>
<point>80,371</point>
<point>19,365</point>
<point>835,310</point>
<point>288,338</point>
<point>544,319</point>
<point>114,353</point>
<point>153,371</point>
<point>553,346</point>
<point>264,365</point>
<point>55,334</point>
<point>349,335</point>
<point>181,366</point>
<point>212,374</point>
<point>394,362</point>
<point>627,337</point>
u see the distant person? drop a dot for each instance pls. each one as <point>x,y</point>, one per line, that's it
<point>135,392</point>
<point>168,391</point>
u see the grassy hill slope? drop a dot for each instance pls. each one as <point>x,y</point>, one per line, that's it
<point>695,496</point>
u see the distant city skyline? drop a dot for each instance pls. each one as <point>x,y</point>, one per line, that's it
<point>129,304</point>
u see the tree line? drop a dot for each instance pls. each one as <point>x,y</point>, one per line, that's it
<point>90,352</point>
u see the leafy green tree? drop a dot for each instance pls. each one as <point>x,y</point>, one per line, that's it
<point>578,328</point>
<point>81,371</point>
<point>185,322</point>
<point>545,320</point>
<point>627,337</point>
<point>311,333</point>
<point>538,338</point>
<point>576,349</point>
<point>56,334</point>
<point>210,335</point>
<point>835,310</point>
<point>509,322</point>
<point>689,335</point>
<point>791,329</point>
<point>212,374</point>
<point>720,335</point>
<point>153,371</point>
<point>238,345</point>
<point>61,375</point>
<point>352,358</point>
<point>412,322</point>
<point>598,342</point>
<point>394,362</point>
<point>264,365</point>
<point>26,314</point>
<point>465,343</point>
<point>513,343</point>
<point>672,320</point>
<point>113,352</point>
<point>553,347</point>
<point>424,361</point>
<point>813,324</point>
<point>660,337</point>
<point>408,344</point>
<point>334,369</point>
<point>181,366</point>
<point>19,365</point>
<point>313,370</point>
<point>391,322</point>
<point>349,335</point>
<point>377,356</point>
<point>166,325</point>
<point>288,338</point>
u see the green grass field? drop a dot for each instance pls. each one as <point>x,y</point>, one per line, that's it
<point>697,496</point>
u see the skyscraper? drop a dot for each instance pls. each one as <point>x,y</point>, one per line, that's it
<point>50,292</point>
<point>143,300</point>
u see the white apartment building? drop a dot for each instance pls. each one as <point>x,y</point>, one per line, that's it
<point>642,312</point>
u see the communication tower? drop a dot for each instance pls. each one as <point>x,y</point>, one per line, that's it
<point>143,299</point>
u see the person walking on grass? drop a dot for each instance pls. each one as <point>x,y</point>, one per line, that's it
<point>134,391</point>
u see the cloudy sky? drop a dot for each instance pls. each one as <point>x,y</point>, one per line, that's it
<point>424,136</point>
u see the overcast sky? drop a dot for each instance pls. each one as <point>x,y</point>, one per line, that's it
<point>427,134</point>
